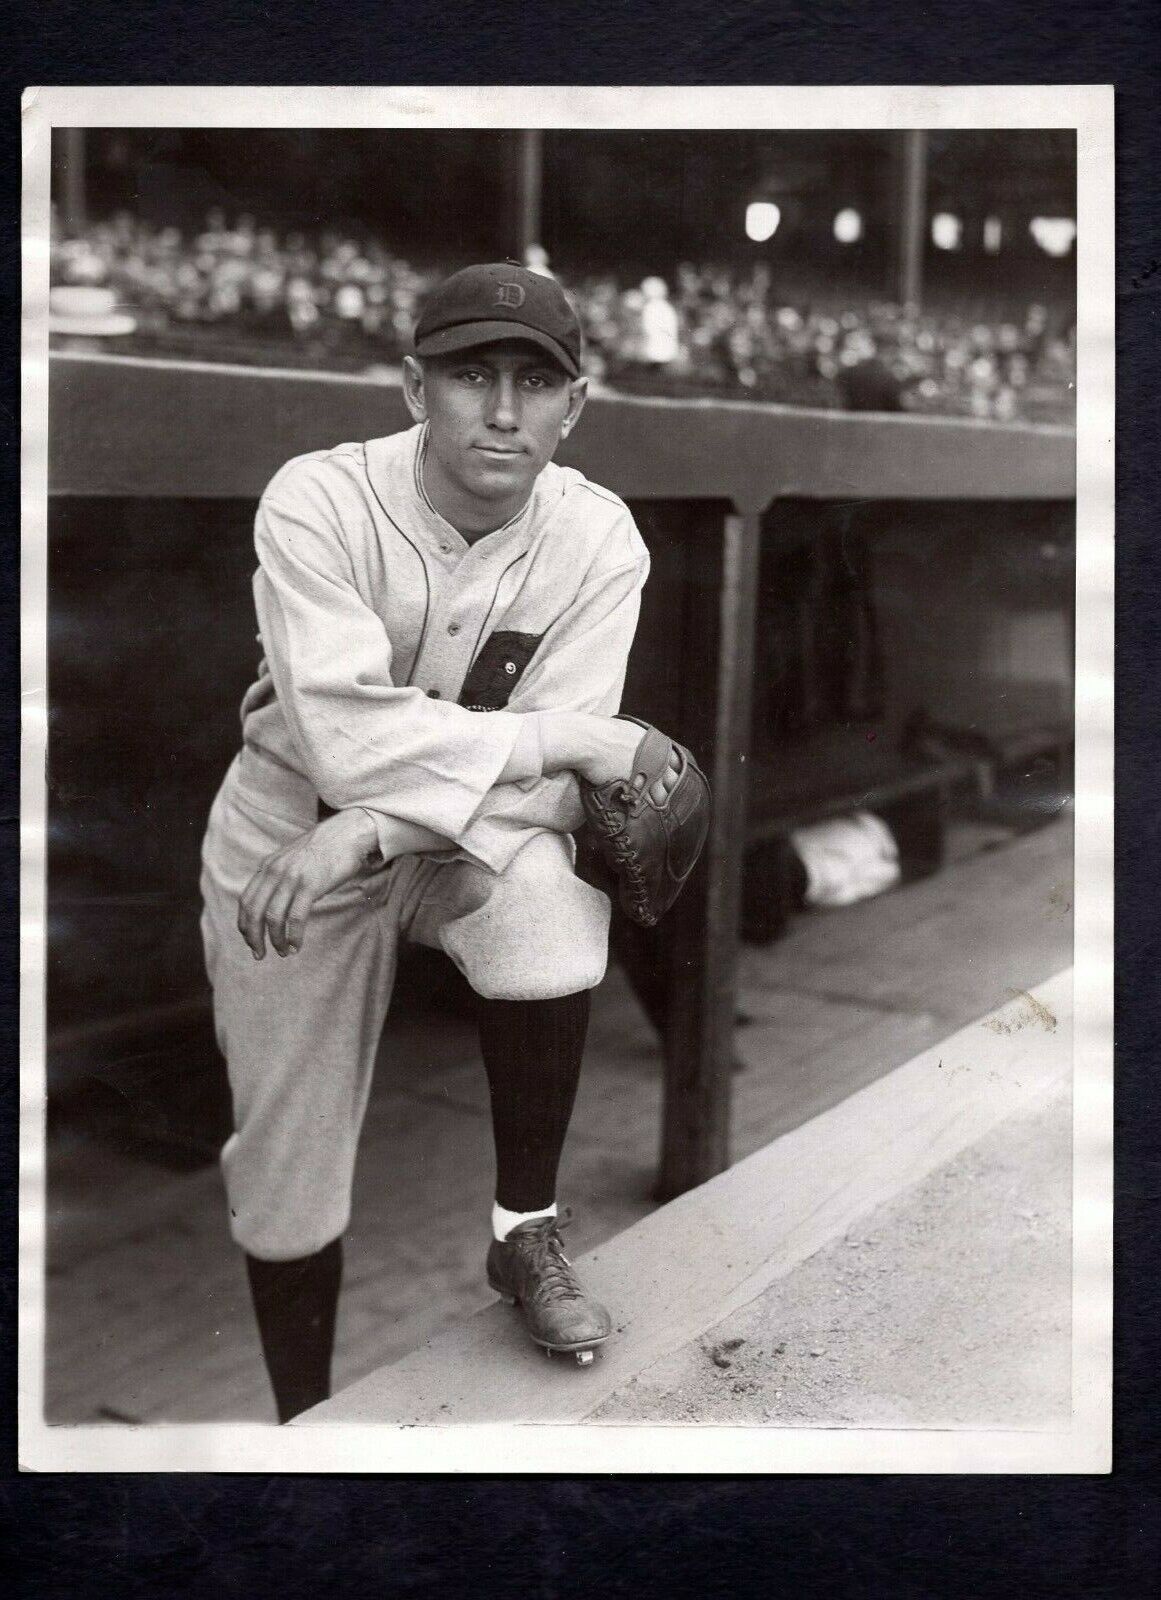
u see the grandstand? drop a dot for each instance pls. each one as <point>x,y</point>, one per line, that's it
<point>804,314</point>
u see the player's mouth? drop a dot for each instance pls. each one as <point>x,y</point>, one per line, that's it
<point>499,452</point>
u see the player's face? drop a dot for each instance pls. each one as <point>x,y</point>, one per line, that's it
<point>495,415</point>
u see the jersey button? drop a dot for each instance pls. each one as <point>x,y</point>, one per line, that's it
<point>453,628</point>
<point>433,694</point>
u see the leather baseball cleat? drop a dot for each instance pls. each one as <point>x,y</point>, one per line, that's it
<point>529,1269</point>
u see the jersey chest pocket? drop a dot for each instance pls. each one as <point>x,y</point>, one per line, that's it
<point>497,670</point>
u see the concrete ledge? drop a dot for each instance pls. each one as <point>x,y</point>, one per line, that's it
<point>714,1250</point>
<point>644,447</point>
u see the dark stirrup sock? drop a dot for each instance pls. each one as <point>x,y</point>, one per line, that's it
<point>532,1053</point>
<point>295,1303</point>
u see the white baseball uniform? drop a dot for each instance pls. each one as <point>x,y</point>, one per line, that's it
<point>385,636</point>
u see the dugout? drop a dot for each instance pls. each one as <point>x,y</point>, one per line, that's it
<point>968,528</point>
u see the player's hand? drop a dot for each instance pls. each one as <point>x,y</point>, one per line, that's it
<point>609,754</point>
<point>278,899</point>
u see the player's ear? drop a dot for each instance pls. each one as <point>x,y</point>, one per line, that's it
<point>578,391</point>
<point>414,395</point>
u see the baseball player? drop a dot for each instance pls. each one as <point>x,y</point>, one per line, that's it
<point>445,617</point>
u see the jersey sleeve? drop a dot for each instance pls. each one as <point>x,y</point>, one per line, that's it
<point>580,666</point>
<point>364,740</point>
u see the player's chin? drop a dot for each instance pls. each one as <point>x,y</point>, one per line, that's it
<point>507,471</point>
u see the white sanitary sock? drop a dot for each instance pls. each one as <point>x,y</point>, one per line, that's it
<point>504,1221</point>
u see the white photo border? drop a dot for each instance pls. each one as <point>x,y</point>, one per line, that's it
<point>691,1448</point>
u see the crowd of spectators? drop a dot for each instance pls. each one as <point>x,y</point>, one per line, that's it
<point>344,300</point>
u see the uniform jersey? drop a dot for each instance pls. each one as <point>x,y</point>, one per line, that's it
<point>397,655</point>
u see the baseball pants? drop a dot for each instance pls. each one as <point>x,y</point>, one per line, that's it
<point>300,1035</point>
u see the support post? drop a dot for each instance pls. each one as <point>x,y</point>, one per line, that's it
<point>702,940</point>
<point>912,216</point>
<point>530,181</point>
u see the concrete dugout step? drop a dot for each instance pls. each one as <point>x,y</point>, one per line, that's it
<point>715,1249</point>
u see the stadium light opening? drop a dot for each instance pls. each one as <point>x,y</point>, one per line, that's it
<point>848,226</point>
<point>1054,235</point>
<point>762,219</point>
<point>946,231</point>
<point>993,235</point>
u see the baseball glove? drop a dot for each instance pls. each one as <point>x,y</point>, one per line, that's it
<point>650,846</point>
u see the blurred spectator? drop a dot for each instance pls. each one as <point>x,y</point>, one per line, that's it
<point>659,325</point>
<point>536,260</point>
<point>244,291</point>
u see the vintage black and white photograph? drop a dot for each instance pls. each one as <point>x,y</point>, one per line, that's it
<point>558,879</point>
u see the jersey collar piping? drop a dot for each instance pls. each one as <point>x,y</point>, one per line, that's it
<point>522,520</point>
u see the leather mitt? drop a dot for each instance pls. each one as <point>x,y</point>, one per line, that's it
<point>650,846</point>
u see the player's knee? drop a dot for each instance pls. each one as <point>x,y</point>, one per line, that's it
<point>538,875</point>
<point>542,932</point>
<point>500,976</point>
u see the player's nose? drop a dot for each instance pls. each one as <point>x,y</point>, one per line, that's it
<point>504,403</point>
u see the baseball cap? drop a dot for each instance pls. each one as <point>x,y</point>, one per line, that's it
<point>500,300</point>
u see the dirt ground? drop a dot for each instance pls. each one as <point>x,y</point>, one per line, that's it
<point>949,1307</point>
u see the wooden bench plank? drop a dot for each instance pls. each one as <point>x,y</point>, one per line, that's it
<point>838,771</point>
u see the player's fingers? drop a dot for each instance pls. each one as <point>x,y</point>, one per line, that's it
<point>248,926</point>
<point>254,918</point>
<point>663,785</point>
<point>254,888</point>
<point>297,914</point>
<point>276,909</point>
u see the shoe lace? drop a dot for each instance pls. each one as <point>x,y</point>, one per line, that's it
<point>543,1250</point>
